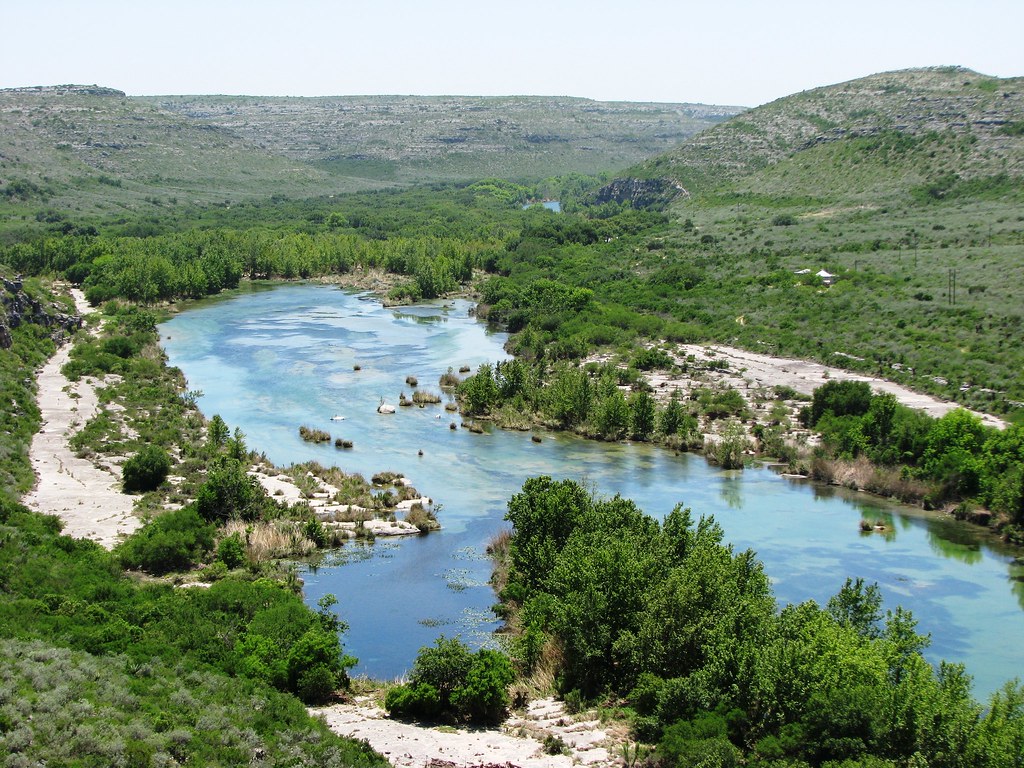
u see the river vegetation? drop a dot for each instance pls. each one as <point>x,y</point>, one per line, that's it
<point>669,623</point>
<point>868,441</point>
<point>919,231</point>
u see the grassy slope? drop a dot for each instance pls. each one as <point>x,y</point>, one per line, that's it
<point>79,152</point>
<point>891,181</point>
<point>86,151</point>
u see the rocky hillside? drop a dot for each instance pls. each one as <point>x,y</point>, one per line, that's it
<point>76,151</point>
<point>18,306</point>
<point>93,149</point>
<point>412,138</point>
<point>922,123</point>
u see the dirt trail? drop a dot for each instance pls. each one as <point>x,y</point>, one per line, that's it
<point>86,497</point>
<point>765,371</point>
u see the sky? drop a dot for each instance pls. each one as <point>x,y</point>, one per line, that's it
<point>733,52</point>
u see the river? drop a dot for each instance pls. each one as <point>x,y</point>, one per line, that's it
<point>269,359</point>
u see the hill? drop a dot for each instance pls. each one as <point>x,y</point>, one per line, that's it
<point>905,186</point>
<point>82,151</point>
<point>948,119</point>
<point>417,138</point>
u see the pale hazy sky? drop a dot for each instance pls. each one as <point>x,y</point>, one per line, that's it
<point>740,52</point>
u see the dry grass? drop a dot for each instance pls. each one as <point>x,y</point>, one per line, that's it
<point>421,397</point>
<point>543,678</point>
<point>861,475</point>
<point>269,540</point>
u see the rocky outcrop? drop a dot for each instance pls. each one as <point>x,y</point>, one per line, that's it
<point>68,90</point>
<point>641,193</point>
<point>17,307</point>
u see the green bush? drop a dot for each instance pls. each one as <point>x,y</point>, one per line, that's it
<point>174,541</point>
<point>229,493</point>
<point>316,666</point>
<point>702,741</point>
<point>842,398</point>
<point>449,682</point>
<point>146,470</point>
<point>231,551</point>
<point>483,698</point>
<point>419,700</point>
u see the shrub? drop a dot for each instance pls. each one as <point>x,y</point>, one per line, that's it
<point>484,696</point>
<point>315,532</point>
<point>174,541</point>
<point>230,493</point>
<point>449,682</point>
<point>316,667</point>
<point>146,470</point>
<point>314,435</point>
<point>702,741</point>
<point>842,398</point>
<point>231,551</point>
<point>420,700</point>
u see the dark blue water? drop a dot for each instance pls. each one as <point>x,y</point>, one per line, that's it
<point>270,360</point>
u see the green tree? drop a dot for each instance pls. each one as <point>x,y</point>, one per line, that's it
<point>217,431</point>
<point>230,493</point>
<point>841,398</point>
<point>953,451</point>
<point>642,414</point>
<point>479,392</point>
<point>569,396</point>
<point>858,607</point>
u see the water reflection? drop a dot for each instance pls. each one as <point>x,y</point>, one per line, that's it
<point>949,539</point>
<point>731,489</point>
<point>1017,581</point>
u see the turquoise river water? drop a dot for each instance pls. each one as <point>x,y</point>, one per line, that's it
<point>271,359</point>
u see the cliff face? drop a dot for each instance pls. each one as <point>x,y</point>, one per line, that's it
<point>17,307</point>
<point>641,193</point>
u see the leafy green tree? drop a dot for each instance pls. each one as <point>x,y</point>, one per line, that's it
<point>858,607</point>
<point>642,415</point>
<point>479,392</point>
<point>953,451</point>
<point>612,414</point>
<point>671,420</point>
<point>841,398</point>
<point>217,431</point>
<point>543,515</point>
<point>569,396</point>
